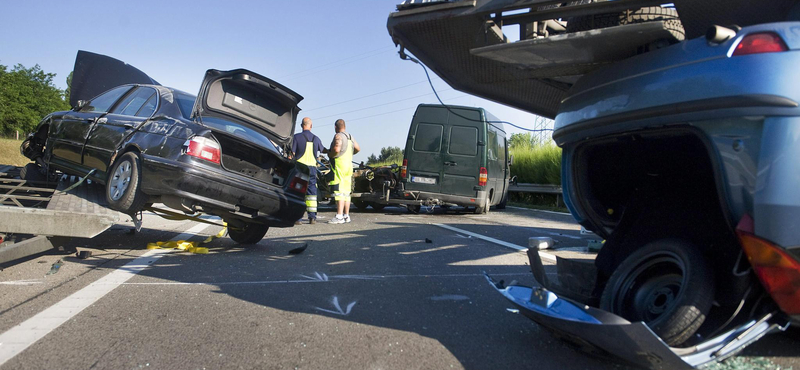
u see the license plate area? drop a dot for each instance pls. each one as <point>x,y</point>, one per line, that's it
<point>423,180</point>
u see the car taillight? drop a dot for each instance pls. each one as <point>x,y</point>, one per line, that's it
<point>777,270</point>
<point>483,177</point>
<point>204,148</point>
<point>299,183</point>
<point>758,43</point>
<point>404,168</point>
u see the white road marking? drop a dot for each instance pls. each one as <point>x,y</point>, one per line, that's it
<point>544,255</point>
<point>449,297</point>
<point>20,337</point>
<point>21,282</point>
<point>540,210</point>
<point>339,310</point>
<point>329,277</point>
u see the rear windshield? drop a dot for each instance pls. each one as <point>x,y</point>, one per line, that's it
<point>185,103</point>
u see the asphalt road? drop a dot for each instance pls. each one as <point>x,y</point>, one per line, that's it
<point>371,294</point>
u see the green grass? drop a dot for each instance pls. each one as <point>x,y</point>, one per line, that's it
<point>537,165</point>
<point>386,163</point>
<point>9,152</point>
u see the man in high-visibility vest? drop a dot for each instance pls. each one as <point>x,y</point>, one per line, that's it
<point>341,154</point>
<point>306,147</point>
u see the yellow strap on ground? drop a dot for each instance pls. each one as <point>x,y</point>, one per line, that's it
<point>191,247</point>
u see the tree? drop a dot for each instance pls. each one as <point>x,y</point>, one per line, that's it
<point>521,141</point>
<point>26,96</point>
<point>69,88</point>
<point>390,154</point>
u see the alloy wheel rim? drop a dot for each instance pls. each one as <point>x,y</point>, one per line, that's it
<point>120,180</point>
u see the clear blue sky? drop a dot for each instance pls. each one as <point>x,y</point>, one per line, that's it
<point>334,53</point>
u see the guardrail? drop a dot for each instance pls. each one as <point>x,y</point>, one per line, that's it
<point>535,188</point>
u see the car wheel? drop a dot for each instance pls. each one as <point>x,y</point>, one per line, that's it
<point>647,14</point>
<point>250,233</point>
<point>667,285</point>
<point>31,172</point>
<point>360,204</point>
<point>377,206</point>
<point>123,187</point>
<point>414,208</point>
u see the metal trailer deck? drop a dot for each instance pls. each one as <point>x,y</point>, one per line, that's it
<point>39,214</point>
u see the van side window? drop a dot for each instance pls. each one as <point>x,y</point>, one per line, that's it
<point>492,150</point>
<point>463,140</point>
<point>428,138</point>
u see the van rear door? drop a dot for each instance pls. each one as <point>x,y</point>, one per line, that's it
<point>424,150</point>
<point>464,152</point>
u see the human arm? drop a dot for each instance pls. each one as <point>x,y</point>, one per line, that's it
<point>356,147</point>
<point>336,146</point>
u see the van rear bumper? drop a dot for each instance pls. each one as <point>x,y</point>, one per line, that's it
<point>426,198</point>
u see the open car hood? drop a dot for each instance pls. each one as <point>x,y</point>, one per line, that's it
<point>245,97</point>
<point>94,74</point>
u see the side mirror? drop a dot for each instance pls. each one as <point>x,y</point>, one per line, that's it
<point>510,159</point>
<point>80,105</point>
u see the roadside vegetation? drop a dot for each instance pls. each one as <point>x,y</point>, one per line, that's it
<point>536,163</point>
<point>9,152</point>
<point>26,96</point>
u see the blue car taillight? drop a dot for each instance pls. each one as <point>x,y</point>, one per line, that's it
<point>759,43</point>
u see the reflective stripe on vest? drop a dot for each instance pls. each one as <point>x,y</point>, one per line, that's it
<point>308,158</point>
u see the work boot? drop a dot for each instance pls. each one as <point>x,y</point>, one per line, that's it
<point>312,221</point>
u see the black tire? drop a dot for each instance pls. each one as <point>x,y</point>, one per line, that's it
<point>502,204</point>
<point>31,172</point>
<point>647,14</point>
<point>361,205</point>
<point>123,189</point>
<point>414,208</point>
<point>377,206</point>
<point>250,233</point>
<point>667,284</point>
<point>482,210</point>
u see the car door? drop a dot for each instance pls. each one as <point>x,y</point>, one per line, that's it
<point>109,131</point>
<point>69,135</point>
<point>462,157</point>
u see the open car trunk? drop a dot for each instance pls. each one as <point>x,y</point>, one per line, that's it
<point>247,98</point>
<point>258,163</point>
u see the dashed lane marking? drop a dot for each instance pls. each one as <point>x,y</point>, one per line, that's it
<point>544,255</point>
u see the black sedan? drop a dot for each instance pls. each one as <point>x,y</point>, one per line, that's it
<point>220,153</point>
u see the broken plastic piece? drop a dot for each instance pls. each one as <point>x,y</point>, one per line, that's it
<point>56,266</point>
<point>83,254</point>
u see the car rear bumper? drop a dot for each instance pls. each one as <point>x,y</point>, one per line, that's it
<point>216,191</point>
<point>604,333</point>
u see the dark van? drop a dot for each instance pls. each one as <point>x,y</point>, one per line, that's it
<point>456,156</point>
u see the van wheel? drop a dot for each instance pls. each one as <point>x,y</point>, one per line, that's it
<point>502,204</point>
<point>250,233</point>
<point>667,285</point>
<point>123,192</point>
<point>483,209</point>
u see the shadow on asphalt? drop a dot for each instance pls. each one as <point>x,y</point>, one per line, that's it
<point>390,277</point>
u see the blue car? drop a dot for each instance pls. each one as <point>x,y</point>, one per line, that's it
<point>680,149</point>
